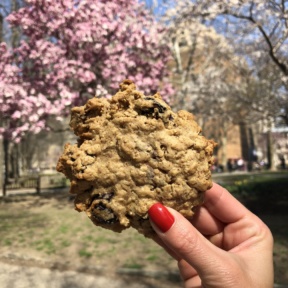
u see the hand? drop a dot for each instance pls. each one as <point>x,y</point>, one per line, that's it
<point>224,245</point>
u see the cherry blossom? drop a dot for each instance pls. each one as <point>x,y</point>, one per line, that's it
<point>71,50</point>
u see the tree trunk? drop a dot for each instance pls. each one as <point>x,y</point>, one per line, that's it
<point>244,141</point>
<point>251,156</point>
<point>270,152</point>
<point>6,165</point>
<point>15,35</point>
<point>1,28</point>
<point>1,140</point>
<point>14,160</point>
<point>1,165</point>
<point>224,149</point>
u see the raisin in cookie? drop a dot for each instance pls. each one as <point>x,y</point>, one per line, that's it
<point>132,152</point>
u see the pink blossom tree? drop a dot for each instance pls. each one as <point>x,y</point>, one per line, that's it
<point>71,50</point>
<point>21,111</point>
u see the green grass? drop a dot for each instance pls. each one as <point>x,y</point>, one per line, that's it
<point>262,193</point>
<point>85,253</point>
<point>58,231</point>
<point>65,243</point>
<point>7,242</point>
<point>46,245</point>
<point>273,185</point>
<point>133,265</point>
<point>152,258</point>
<point>63,229</point>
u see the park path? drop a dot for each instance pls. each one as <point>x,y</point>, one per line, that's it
<point>14,276</point>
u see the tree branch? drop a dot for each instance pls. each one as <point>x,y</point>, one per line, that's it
<point>4,8</point>
<point>274,58</point>
<point>58,130</point>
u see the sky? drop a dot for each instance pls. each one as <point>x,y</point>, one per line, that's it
<point>157,6</point>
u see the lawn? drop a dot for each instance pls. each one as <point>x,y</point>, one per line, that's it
<point>261,192</point>
<point>45,230</point>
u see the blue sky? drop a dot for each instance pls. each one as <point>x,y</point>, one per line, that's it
<point>158,10</point>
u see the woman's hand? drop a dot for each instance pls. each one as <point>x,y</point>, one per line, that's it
<point>225,245</point>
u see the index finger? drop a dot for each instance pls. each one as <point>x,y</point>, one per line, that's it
<point>222,205</point>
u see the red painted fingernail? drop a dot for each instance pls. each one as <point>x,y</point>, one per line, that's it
<point>161,217</point>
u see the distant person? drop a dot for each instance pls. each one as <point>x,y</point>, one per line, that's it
<point>225,245</point>
<point>282,162</point>
<point>217,167</point>
<point>240,164</point>
<point>230,165</point>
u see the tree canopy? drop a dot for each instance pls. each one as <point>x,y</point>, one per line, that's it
<point>71,50</point>
<point>258,32</point>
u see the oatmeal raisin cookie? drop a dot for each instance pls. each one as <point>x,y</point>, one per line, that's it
<point>132,152</point>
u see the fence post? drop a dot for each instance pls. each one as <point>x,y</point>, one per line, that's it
<point>38,184</point>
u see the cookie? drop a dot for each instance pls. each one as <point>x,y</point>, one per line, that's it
<point>132,152</point>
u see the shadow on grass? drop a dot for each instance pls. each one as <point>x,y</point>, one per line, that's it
<point>262,195</point>
<point>14,222</point>
<point>61,198</point>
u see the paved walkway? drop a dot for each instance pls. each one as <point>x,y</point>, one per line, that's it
<point>13,276</point>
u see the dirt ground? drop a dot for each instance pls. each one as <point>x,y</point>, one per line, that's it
<point>45,231</point>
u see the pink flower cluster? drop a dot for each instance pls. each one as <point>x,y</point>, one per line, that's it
<point>21,108</point>
<point>74,49</point>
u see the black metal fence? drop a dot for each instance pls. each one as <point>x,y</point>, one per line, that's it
<point>37,182</point>
<point>22,183</point>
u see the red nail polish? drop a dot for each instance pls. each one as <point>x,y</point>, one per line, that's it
<point>161,217</point>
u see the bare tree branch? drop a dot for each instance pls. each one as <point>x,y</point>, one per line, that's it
<point>283,67</point>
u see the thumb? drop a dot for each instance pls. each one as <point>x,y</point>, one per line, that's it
<point>188,243</point>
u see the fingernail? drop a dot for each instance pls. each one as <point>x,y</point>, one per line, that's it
<point>161,217</point>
